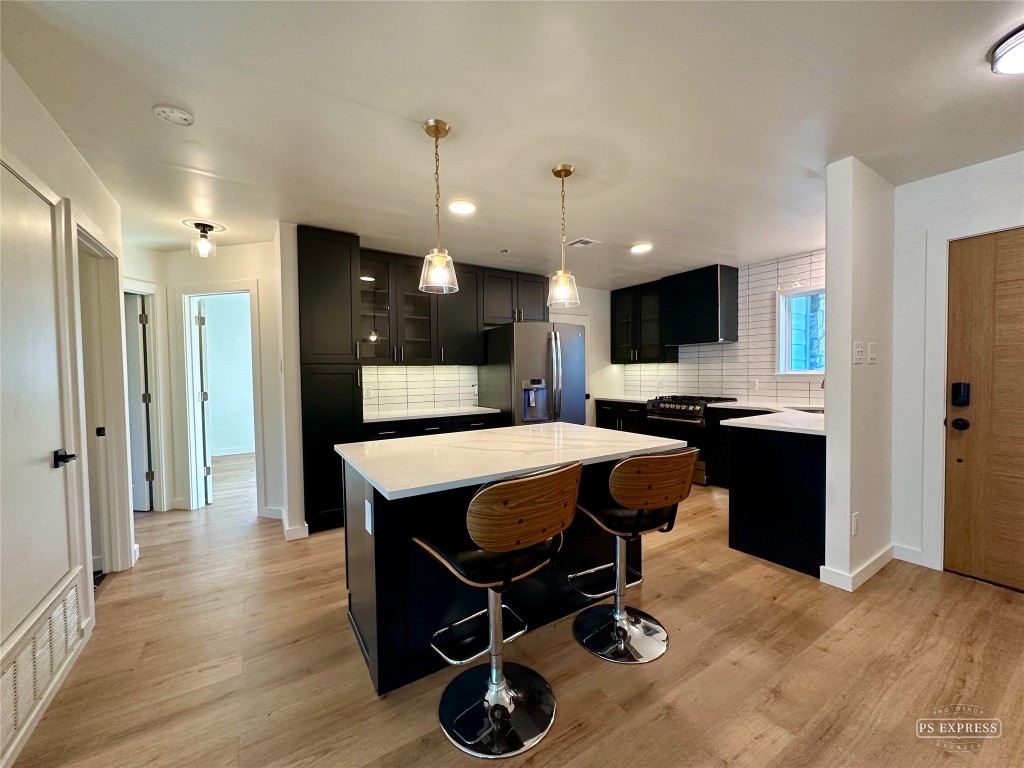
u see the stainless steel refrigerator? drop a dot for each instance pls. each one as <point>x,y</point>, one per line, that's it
<point>535,372</point>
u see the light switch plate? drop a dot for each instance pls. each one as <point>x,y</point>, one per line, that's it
<point>858,352</point>
<point>872,352</point>
<point>368,515</point>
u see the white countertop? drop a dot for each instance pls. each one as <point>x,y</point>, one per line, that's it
<point>427,413</point>
<point>766,405</point>
<point>412,466</point>
<point>784,420</point>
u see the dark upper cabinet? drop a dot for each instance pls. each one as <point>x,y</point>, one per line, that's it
<point>414,312</point>
<point>329,300</point>
<point>403,314</point>
<point>375,287</point>
<point>459,320</point>
<point>636,325</point>
<point>511,297</point>
<point>332,413</point>
<point>702,306</point>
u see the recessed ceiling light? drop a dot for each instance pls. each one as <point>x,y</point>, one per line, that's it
<point>462,207</point>
<point>173,115</point>
<point>367,279</point>
<point>1008,57</point>
<point>641,248</point>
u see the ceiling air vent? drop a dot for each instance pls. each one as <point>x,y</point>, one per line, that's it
<point>582,242</point>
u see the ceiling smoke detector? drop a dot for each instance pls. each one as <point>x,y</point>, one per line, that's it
<point>174,115</point>
<point>582,242</point>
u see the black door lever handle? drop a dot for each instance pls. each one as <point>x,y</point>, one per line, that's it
<point>961,424</point>
<point>62,457</point>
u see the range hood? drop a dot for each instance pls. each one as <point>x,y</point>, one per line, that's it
<point>705,306</point>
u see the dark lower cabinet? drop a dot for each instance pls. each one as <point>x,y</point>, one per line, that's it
<point>388,430</point>
<point>459,318</point>
<point>623,416</point>
<point>332,413</point>
<point>777,497</point>
<point>716,453</point>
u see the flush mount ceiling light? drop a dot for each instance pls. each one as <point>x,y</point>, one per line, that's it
<point>173,115</point>
<point>202,245</point>
<point>641,248</point>
<point>462,207</point>
<point>1008,57</point>
<point>562,285</point>
<point>438,275</point>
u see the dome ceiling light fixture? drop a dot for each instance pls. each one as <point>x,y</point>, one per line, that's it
<point>202,245</point>
<point>562,290</point>
<point>1008,56</point>
<point>438,275</point>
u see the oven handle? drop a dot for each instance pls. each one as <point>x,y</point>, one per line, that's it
<point>696,422</point>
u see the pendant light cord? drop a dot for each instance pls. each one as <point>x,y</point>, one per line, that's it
<point>563,224</point>
<point>437,189</point>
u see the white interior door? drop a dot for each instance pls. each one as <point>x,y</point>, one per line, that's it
<point>201,393</point>
<point>138,432</point>
<point>34,513</point>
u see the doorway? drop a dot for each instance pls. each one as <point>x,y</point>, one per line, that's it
<point>220,381</point>
<point>137,308</point>
<point>984,515</point>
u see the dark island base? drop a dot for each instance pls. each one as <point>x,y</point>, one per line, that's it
<point>777,497</point>
<point>399,596</point>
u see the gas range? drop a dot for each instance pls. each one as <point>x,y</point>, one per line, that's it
<point>688,409</point>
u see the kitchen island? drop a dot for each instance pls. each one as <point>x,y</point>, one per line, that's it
<point>421,486</point>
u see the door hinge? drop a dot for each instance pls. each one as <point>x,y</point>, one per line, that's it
<point>143,319</point>
<point>207,471</point>
<point>150,476</point>
<point>200,320</point>
<point>147,398</point>
<point>204,397</point>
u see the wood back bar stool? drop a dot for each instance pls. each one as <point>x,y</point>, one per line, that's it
<point>643,496</point>
<point>515,528</point>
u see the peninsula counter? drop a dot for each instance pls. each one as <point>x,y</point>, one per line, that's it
<point>398,489</point>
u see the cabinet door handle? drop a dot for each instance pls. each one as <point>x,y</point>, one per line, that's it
<point>403,353</point>
<point>359,377</point>
<point>388,432</point>
<point>442,354</point>
<point>431,429</point>
<point>358,355</point>
<point>477,424</point>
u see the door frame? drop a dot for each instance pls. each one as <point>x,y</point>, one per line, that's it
<point>159,423</point>
<point>933,459</point>
<point>189,482</point>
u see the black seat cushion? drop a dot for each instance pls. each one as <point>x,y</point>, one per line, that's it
<point>607,513</point>
<point>480,568</point>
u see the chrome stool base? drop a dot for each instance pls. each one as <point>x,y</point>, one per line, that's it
<point>493,732</point>
<point>637,639</point>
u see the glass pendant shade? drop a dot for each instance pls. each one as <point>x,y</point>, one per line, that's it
<point>562,290</point>
<point>203,246</point>
<point>374,335</point>
<point>438,275</point>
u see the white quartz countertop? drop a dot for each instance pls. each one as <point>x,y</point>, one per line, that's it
<point>785,420</point>
<point>765,405</point>
<point>412,466</point>
<point>427,413</point>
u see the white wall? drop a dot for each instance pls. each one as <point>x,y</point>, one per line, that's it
<point>287,247</point>
<point>744,369</point>
<point>229,374</point>
<point>981,198</point>
<point>237,264</point>
<point>860,216</point>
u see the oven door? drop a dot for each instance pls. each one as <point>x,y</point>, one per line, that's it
<point>693,432</point>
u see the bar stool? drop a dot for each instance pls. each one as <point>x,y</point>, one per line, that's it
<point>643,495</point>
<point>515,526</point>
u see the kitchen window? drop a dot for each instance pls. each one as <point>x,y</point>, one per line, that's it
<point>801,331</point>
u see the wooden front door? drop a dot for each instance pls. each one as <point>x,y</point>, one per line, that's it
<point>984,530</point>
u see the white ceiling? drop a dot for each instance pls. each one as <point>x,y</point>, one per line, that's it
<point>703,127</point>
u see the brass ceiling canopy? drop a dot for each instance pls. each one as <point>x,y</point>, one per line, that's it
<point>436,128</point>
<point>562,171</point>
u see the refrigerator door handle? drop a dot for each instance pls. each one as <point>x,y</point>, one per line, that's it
<point>558,383</point>
<point>553,407</point>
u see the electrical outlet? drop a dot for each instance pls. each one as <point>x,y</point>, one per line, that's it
<point>855,523</point>
<point>872,353</point>
<point>367,392</point>
<point>755,384</point>
<point>476,389</point>
<point>858,352</point>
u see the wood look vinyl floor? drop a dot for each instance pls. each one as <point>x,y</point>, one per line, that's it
<point>227,646</point>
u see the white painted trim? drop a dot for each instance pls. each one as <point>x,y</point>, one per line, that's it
<point>933,460</point>
<point>851,581</point>
<point>160,421</point>
<point>178,319</point>
<point>273,513</point>
<point>909,555</point>
<point>296,532</point>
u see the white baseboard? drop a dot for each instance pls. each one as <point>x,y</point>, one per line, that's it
<point>274,513</point>
<point>851,581</point>
<point>97,563</point>
<point>233,451</point>
<point>914,555</point>
<point>296,532</point>
<point>135,553</point>
<point>181,503</point>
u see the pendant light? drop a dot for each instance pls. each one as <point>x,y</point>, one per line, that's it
<point>373,330</point>
<point>438,275</point>
<point>202,245</point>
<point>562,286</point>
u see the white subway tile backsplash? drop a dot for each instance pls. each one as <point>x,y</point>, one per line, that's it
<point>731,369</point>
<point>399,387</point>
